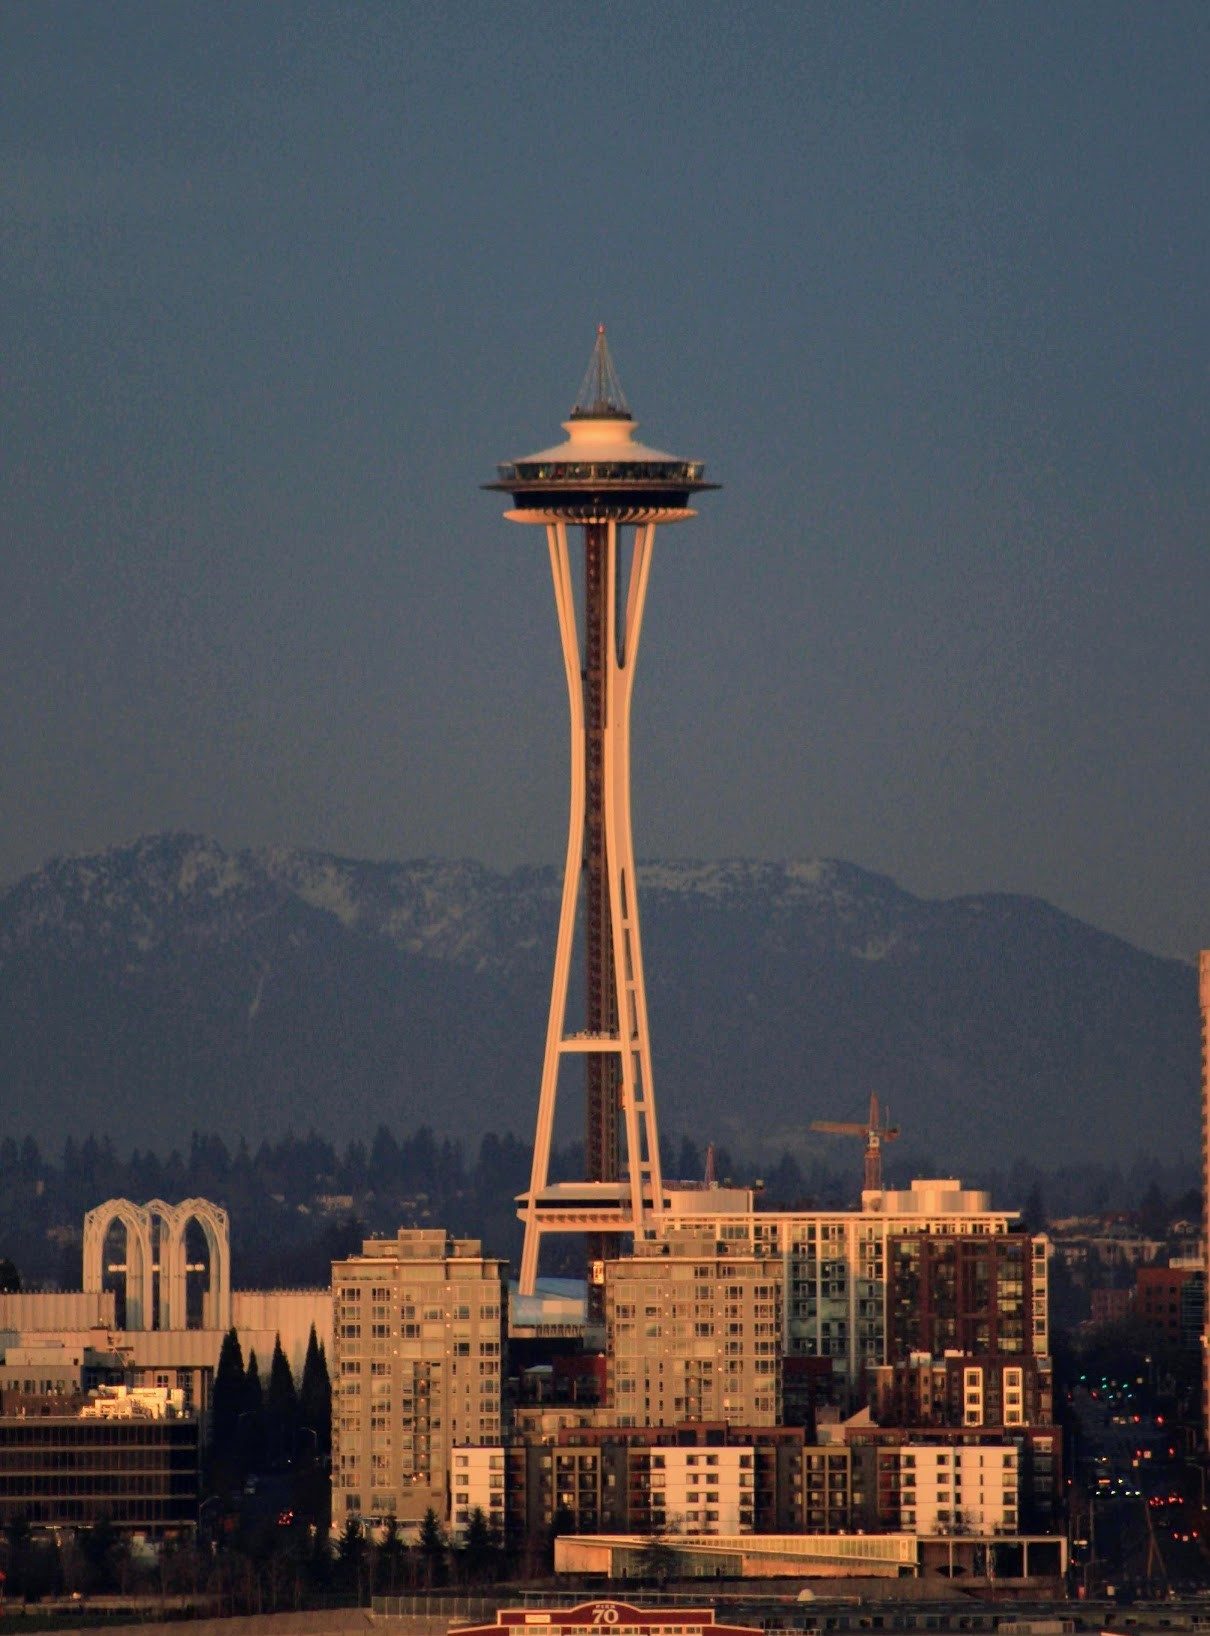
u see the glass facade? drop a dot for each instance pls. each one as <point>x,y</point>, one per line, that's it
<point>65,1472</point>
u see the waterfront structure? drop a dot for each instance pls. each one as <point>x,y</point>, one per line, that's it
<point>419,1323</point>
<point>1039,1560</point>
<point>693,1328</point>
<point>603,482</point>
<point>744,1556</point>
<point>591,1618</point>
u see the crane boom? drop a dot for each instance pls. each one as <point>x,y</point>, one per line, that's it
<point>874,1134</point>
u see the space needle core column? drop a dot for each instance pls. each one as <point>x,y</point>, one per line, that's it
<point>603,482</point>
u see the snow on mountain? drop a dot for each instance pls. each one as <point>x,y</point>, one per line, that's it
<point>173,983</point>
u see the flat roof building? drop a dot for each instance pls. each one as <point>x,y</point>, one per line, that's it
<point>693,1329</point>
<point>419,1324</point>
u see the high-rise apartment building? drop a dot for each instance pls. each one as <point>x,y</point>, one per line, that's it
<point>694,1332</point>
<point>953,1291</point>
<point>847,1273</point>
<point>419,1323</point>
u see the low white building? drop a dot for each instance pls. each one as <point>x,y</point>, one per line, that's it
<point>706,1490</point>
<point>477,1484</point>
<point>957,1490</point>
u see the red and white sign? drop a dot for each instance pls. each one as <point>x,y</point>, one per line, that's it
<point>608,1619</point>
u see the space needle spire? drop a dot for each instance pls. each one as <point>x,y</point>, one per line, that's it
<point>616,492</point>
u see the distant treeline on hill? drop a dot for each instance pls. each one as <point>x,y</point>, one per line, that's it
<point>298,1202</point>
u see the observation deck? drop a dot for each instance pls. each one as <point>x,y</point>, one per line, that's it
<point>574,484</point>
<point>600,474</point>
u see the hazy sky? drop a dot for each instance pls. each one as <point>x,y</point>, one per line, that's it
<point>926,287</point>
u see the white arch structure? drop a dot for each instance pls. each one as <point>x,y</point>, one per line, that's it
<point>161,1227</point>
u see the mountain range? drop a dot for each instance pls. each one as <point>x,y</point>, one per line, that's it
<point>172,985</point>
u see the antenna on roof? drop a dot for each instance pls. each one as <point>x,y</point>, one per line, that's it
<point>600,396</point>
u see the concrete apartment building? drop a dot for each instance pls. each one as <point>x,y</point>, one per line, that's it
<point>418,1339</point>
<point>850,1277</point>
<point>926,1489</point>
<point>477,1484</point>
<point>963,1390</point>
<point>693,1325</point>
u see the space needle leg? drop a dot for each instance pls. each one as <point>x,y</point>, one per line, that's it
<point>560,567</point>
<point>638,1089</point>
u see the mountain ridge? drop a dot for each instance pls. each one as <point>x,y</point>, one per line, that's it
<point>171,979</point>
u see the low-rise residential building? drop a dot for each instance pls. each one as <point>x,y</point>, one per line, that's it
<point>477,1483</point>
<point>929,1489</point>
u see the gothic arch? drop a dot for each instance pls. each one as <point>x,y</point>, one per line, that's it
<point>162,1243</point>
<point>215,1226</point>
<point>139,1271</point>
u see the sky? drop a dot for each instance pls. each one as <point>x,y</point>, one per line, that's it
<point>925,287</point>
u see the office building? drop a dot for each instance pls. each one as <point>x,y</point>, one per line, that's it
<point>67,1461</point>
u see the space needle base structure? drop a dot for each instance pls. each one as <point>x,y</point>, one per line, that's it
<point>616,492</point>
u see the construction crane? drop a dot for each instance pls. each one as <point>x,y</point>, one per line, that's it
<point>873,1133</point>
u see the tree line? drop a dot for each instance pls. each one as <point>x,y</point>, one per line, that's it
<point>300,1201</point>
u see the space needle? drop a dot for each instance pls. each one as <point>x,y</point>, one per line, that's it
<point>616,492</point>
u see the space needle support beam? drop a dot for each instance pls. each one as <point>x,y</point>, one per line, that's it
<point>626,1041</point>
<point>612,492</point>
<point>565,606</point>
<point>638,1087</point>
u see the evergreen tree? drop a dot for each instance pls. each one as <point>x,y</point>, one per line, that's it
<point>384,1161</point>
<point>392,1557</point>
<point>478,1548</point>
<point>251,1437</point>
<point>281,1408</point>
<point>350,1554</point>
<point>315,1395</point>
<point>432,1549</point>
<point>102,1550</point>
<point>227,1396</point>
